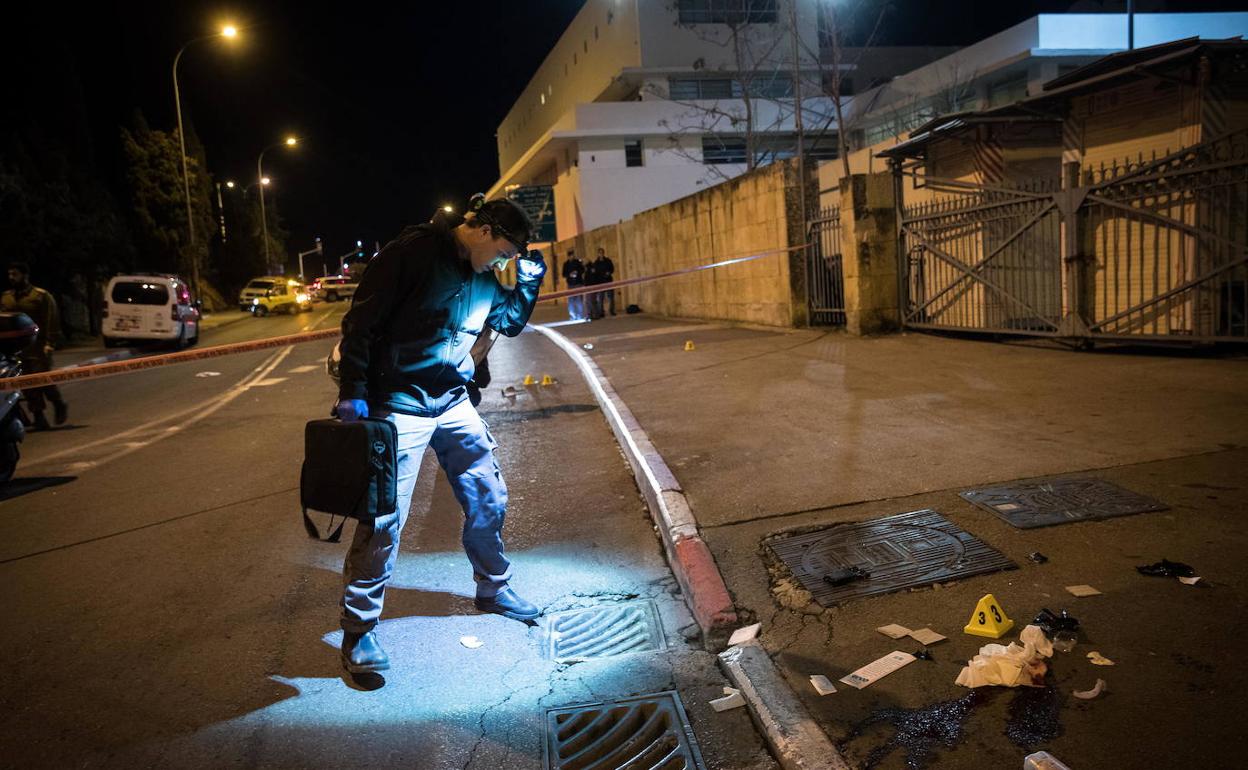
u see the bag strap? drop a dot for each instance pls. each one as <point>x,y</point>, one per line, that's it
<point>316,535</point>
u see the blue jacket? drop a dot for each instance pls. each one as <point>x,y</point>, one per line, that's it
<point>407,338</point>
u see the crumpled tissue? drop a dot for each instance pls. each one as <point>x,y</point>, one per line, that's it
<point>1012,665</point>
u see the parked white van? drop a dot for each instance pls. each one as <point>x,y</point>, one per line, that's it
<point>147,307</point>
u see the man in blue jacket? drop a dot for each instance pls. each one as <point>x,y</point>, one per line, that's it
<point>406,357</point>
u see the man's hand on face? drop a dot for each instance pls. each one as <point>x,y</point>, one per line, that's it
<point>531,268</point>
<point>351,409</point>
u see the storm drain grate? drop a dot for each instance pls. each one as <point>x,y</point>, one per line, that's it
<point>604,631</point>
<point>1060,501</point>
<point>894,553</point>
<point>645,732</point>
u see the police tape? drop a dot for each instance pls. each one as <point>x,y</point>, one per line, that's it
<point>93,371</point>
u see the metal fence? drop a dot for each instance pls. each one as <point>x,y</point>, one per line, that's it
<point>1147,249</point>
<point>825,283</point>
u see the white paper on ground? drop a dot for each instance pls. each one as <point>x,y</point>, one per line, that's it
<point>471,642</point>
<point>894,631</point>
<point>1096,690</point>
<point>926,636</point>
<point>1190,581</point>
<point>1010,666</point>
<point>744,634</point>
<point>1099,659</point>
<point>822,684</point>
<point>1083,590</point>
<point>878,669</point>
<point>728,702</point>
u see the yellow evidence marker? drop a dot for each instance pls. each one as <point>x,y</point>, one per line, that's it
<point>988,619</point>
<point>528,380</point>
<point>547,380</point>
<point>688,344</point>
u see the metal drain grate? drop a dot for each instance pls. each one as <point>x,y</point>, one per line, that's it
<point>1060,501</point>
<point>897,552</point>
<point>646,732</point>
<point>603,631</point>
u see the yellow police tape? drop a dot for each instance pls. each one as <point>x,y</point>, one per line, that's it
<point>92,371</point>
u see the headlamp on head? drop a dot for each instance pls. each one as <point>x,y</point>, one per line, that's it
<point>493,212</point>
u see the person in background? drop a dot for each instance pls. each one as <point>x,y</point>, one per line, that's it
<point>574,277</point>
<point>604,272</point>
<point>27,298</point>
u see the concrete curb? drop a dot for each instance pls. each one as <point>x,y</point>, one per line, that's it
<point>690,558</point>
<point>795,739</point>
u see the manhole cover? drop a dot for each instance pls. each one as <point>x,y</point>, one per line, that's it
<point>603,631</point>
<point>896,552</point>
<point>647,732</point>
<point>1058,501</point>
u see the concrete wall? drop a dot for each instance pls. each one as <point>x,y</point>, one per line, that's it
<point>753,213</point>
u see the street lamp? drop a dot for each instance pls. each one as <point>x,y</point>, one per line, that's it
<point>228,32</point>
<point>289,141</point>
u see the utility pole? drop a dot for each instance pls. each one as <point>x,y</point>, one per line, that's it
<point>220,213</point>
<point>314,250</point>
<point>1130,25</point>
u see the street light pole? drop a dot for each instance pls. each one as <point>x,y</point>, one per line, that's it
<point>226,32</point>
<point>290,141</point>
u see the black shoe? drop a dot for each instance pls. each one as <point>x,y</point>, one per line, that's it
<point>362,653</point>
<point>60,412</point>
<point>509,605</point>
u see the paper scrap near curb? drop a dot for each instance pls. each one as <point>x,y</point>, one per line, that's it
<point>894,631</point>
<point>822,684</point>
<point>744,634</point>
<point>208,374</point>
<point>471,642</point>
<point>588,346</point>
<point>1083,590</point>
<point>878,669</point>
<point>1099,659</point>
<point>1190,581</point>
<point>732,700</point>
<point>1096,690</point>
<point>927,636</point>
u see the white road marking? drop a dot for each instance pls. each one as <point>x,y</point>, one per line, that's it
<point>266,383</point>
<point>303,369</point>
<point>208,374</point>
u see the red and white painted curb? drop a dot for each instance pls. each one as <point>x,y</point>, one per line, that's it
<point>690,558</point>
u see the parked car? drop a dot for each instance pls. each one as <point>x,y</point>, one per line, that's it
<point>258,287</point>
<point>332,288</point>
<point>283,296</point>
<point>149,307</point>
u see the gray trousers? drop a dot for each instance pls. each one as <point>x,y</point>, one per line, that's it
<point>465,449</point>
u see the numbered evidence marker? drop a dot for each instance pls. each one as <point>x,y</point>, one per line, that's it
<point>988,619</point>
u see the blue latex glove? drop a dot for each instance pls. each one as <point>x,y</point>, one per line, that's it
<point>351,409</point>
<point>531,268</point>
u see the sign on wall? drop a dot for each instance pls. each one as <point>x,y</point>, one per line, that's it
<point>538,201</point>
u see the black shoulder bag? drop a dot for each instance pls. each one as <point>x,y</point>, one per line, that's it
<point>349,470</point>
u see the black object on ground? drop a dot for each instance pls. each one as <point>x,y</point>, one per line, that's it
<point>839,577</point>
<point>924,654</point>
<point>1167,568</point>
<point>1051,623</point>
<point>918,732</point>
<point>632,310</point>
<point>897,552</point>
<point>1037,557</point>
<point>1060,501</point>
<point>1034,717</point>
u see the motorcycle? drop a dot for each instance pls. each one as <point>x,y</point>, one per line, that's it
<point>17,332</point>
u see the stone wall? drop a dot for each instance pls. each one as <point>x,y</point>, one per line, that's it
<point>756,212</point>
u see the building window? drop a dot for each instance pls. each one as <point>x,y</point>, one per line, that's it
<point>720,149</point>
<point>632,153</point>
<point>726,11</point>
<point>688,89</point>
<point>771,86</point>
<point>1008,91</point>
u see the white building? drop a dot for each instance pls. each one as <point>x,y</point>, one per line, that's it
<point>639,103</point>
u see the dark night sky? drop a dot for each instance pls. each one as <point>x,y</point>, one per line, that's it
<point>397,103</point>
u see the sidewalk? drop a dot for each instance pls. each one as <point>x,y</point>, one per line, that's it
<point>776,431</point>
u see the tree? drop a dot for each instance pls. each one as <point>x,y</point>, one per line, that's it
<point>158,203</point>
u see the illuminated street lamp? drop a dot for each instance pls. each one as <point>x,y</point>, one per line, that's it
<point>448,208</point>
<point>228,32</point>
<point>289,141</point>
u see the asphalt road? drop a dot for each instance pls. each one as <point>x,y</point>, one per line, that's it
<point>165,608</point>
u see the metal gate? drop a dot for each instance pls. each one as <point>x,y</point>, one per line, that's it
<point>1146,249</point>
<point>825,283</point>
